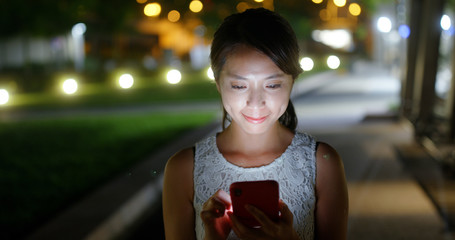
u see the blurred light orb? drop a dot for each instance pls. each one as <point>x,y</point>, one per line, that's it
<point>126,81</point>
<point>242,7</point>
<point>174,76</point>
<point>404,31</point>
<point>173,16</point>
<point>196,6</point>
<point>69,86</point>
<point>354,9</point>
<point>317,1</point>
<point>446,22</point>
<point>210,74</point>
<point>339,3</point>
<point>259,1</point>
<point>4,96</point>
<point>152,9</point>
<point>141,1</point>
<point>384,24</point>
<point>78,29</point>
<point>333,62</point>
<point>307,64</point>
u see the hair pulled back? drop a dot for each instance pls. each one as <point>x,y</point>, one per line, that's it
<point>267,32</point>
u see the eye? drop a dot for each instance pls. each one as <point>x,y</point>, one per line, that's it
<point>238,87</point>
<point>273,86</point>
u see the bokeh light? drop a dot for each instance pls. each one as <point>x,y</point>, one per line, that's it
<point>4,96</point>
<point>333,62</point>
<point>404,31</point>
<point>210,74</point>
<point>355,9</point>
<point>339,3</point>
<point>69,86</point>
<point>126,81</point>
<point>242,7</point>
<point>173,16</point>
<point>317,1</point>
<point>152,9</point>
<point>446,23</point>
<point>141,1</point>
<point>174,76</point>
<point>384,24</point>
<point>196,6</point>
<point>307,64</point>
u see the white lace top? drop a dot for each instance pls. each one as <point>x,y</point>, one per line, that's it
<point>294,170</point>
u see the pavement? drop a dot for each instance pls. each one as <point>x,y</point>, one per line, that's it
<point>353,111</point>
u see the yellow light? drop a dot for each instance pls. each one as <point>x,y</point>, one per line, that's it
<point>259,1</point>
<point>126,81</point>
<point>141,1</point>
<point>152,9</point>
<point>4,96</point>
<point>355,9</point>
<point>242,7</point>
<point>173,16</point>
<point>339,3</point>
<point>69,86</point>
<point>317,1</point>
<point>210,74</point>
<point>307,64</point>
<point>196,6</point>
<point>174,76</point>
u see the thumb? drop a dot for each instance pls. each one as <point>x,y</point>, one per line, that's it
<point>286,214</point>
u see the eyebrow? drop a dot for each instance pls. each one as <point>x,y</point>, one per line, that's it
<point>273,76</point>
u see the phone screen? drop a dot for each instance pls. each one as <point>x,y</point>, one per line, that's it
<point>264,195</point>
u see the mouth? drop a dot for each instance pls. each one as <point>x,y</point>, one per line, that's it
<point>255,120</point>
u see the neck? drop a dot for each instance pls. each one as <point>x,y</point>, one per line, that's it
<point>273,140</point>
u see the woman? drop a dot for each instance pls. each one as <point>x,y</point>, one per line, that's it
<point>254,57</point>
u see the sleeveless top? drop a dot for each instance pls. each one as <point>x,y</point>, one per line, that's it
<point>294,170</point>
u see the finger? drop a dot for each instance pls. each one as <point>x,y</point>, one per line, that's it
<point>260,216</point>
<point>241,230</point>
<point>286,215</point>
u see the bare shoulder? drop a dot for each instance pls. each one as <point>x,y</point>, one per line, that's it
<point>178,211</point>
<point>180,162</point>
<point>178,174</point>
<point>332,204</point>
<point>329,169</point>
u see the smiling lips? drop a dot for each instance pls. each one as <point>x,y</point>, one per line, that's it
<point>255,120</point>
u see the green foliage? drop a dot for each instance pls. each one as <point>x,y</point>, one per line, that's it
<point>46,165</point>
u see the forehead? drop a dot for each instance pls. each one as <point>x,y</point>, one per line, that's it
<point>247,60</point>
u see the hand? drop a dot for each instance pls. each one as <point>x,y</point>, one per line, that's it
<point>283,229</point>
<point>217,224</point>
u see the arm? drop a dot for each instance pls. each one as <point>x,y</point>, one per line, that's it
<point>178,211</point>
<point>331,214</point>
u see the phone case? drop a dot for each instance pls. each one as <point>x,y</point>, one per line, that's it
<point>264,195</point>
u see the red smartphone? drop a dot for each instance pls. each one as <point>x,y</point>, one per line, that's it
<point>264,195</point>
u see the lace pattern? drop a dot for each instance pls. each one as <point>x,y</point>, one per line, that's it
<point>294,170</point>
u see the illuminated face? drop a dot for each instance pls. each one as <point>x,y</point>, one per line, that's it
<point>254,90</point>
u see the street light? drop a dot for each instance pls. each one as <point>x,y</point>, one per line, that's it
<point>69,86</point>
<point>384,24</point>
<point>196,6</point>
<point>126,81</point>
<point>152,9</point>
<point>174,76</point>
<point>333,62</point>
<point>306,64</point>
<point>4,97</point>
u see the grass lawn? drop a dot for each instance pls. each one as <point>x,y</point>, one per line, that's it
<point>47,164</point>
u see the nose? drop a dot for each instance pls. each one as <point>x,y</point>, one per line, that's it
<point>256,99</point>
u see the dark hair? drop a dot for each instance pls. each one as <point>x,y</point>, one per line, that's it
<point>267,32</point>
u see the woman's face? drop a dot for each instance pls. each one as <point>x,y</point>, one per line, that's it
<point>255,92</point>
